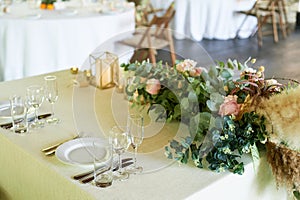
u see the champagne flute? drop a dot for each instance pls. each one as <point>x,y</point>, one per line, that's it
<point>35,98</point>
<point>135,123</point>
<point>51,95</point>
<point>119,139</point>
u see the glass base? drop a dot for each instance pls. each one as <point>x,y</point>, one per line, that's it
<point>134,169</point>
<point>53,120</point>
<point>103,180</point>
<point>37,124</point>
<point>121,176</point>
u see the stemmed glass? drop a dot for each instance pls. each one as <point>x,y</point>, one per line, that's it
<point>35,98</point>
<point>51,95</point>
<point>119,139</point>
<point>135,123</point>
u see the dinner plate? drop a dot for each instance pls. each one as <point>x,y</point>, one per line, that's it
<point>5,109</point>
<point>81,151</point>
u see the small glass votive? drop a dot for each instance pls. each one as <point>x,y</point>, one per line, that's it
<point>19,109</point>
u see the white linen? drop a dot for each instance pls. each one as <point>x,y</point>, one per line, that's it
<point>40,41</point>
<point>212,19</point>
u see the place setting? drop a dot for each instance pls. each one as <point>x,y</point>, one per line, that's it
<point>102,159</point>
<point>20,114</point>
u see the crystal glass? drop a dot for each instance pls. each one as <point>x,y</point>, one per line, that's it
<point>51,95</point>
<point>119,139</point>
<point>35,98</point>
<point>19,109</point>
<point>135,123</point>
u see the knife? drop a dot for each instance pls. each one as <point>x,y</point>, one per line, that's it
<point>90,178</point>
<point>9,125</point>
<point>81,175</point>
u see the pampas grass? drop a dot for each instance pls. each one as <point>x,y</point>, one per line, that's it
<point>283,114</point>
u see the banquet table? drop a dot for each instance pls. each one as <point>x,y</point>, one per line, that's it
<point>212,19</point>
<point>26,173</point>
<point>35,41</point>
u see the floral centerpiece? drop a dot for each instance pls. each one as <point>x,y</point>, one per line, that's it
<point>219,105</point>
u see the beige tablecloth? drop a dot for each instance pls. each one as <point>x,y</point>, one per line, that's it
<point>27,174</point>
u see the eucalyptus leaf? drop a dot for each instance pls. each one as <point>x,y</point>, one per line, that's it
<point>192,97</point>
<point>212,106</point>
<point>185,103</point>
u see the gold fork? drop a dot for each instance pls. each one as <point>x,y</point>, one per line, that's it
<point>50,150</point>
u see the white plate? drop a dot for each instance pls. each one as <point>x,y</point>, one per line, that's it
<point>5,109</point>
<point>80,151</point>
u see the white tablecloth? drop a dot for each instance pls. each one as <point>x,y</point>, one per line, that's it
<point>40,41</point>
<point>212,19</point>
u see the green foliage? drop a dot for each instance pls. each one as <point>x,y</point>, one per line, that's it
<point>196,100</point>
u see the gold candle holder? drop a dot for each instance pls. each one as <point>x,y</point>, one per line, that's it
<point>105,69</point>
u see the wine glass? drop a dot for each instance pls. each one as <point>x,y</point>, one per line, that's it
<point>135,123</point>
<point>51,95</point>
<point>119,139</point>
<point>35,98</point>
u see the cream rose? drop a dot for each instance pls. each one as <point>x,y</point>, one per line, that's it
<point>195,72</point>
<point>230,106</point>
<point>153,86</point>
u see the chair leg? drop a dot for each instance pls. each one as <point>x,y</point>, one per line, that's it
<point>259,31</point>
<point>152,55</point>
<point>283,18</point>
<point>171,44</point>
<point>274,23</point>
<point>240,27</point>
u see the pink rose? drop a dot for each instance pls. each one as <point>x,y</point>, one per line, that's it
<point>153,86</point>
<point>230,106</point>
<point>196,72</point>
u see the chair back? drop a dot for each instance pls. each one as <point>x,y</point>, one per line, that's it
<point>160,24</point>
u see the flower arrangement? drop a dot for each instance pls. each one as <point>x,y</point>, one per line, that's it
<point>219,106</point>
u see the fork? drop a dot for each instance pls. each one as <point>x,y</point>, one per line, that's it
<point>49,151</point>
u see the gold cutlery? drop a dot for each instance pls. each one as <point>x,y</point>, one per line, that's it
<point>50,150</point>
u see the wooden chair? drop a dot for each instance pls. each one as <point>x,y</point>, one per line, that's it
<point>156,35</point>
<point>264,10</point>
